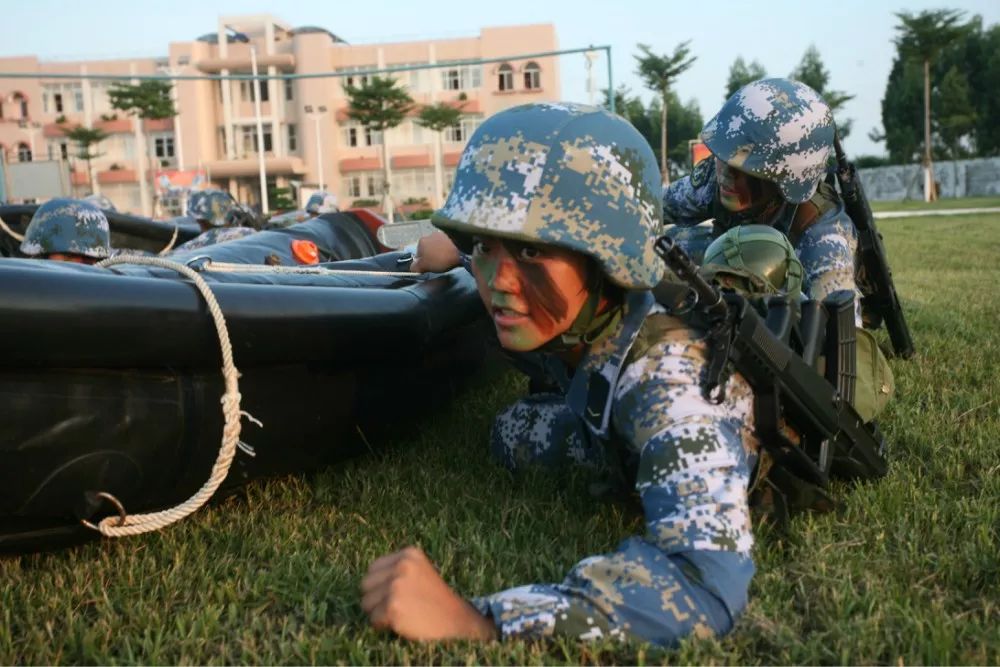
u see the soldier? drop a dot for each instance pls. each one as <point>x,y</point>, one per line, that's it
<point>558,207</point>
<point>771,143</point>
<point>101,202</point>
<point>220,217</point>
<point>321,202</point>
<point>68,230</point>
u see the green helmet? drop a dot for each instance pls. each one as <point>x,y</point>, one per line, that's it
<point>567,175</point>
<point>67,226</point>
<point>777,130</point>
<point>755,259</point>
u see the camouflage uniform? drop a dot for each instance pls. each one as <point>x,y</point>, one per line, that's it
<point>580,178</point>
<point>68,226</point>
<point>780,131</point>
<point>221,211</point>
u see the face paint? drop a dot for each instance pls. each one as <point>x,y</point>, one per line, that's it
<point>512,277</point>
<point>734,187</point>
<point>76,259</point>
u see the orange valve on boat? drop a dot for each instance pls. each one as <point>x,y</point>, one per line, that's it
<point>305,252</point>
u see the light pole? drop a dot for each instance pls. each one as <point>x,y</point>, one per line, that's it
<point>255,87</point>
<point>591,56</point>
<point>316,116</point>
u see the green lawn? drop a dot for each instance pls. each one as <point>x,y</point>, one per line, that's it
<point>907,573</point>
<point>940,204</point>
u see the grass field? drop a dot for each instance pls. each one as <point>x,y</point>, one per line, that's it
<point>907,573</point>
<point>940,204</point>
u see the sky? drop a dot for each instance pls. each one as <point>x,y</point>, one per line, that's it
<point>854,37</point>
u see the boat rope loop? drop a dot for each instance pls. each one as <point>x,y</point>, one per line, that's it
<point>225,267</point>
<point>3,226</point>
<point>136,524</point>
<point>173,240</point>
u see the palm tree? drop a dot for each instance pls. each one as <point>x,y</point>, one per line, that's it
<point>379,105</point>
<point>439,117</point>
<point>85,138</point>
<point>921,38</point>
<point>146,100</point>
<point>658,72</point>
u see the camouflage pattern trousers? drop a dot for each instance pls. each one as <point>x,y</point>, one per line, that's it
<point>639,591</point>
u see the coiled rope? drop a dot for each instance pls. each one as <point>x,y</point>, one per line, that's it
<point>136,524</point>
<point>3,226</point>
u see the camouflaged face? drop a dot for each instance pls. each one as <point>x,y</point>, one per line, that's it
<point>67,226</point>
<point>321,202</point>
<point>569,175</point>
<point>775,129</point>
<point>210,206</point>
<point>101,202</point>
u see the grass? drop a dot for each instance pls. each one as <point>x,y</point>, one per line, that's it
<point>908,572</point>
<point>940,204</point>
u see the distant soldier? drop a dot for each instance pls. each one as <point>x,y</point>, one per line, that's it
<point>321,202</point>
<point>68,230</point>
<point>771,144</point>
<point>220,217</point>
<point>102,202</point>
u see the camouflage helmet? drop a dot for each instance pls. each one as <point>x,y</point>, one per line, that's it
<point>757,257</point>
<point>321,202</point>
<point>69,226</point>
<point>777,130</point>
<point>562,174</point>
<point>101,202</point>
<point>210,206</point>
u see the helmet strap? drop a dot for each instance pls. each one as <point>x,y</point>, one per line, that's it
<point>589,326</point>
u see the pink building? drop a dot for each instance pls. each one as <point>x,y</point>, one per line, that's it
<point>306,127</point>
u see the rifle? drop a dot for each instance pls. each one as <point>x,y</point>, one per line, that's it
<point>788,390</point>
<point>884,302</point>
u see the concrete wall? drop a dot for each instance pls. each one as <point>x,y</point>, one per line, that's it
<point>959,178</point>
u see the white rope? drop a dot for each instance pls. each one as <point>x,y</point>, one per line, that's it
<point>3,226</point>
<point>225,267</point>
<point>173,240</point>
<point>136,524</point>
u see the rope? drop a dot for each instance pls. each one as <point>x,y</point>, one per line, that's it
<point>3,226</point>
<point>136,524</point>
<point>173,240</point>
<point>226,267</point>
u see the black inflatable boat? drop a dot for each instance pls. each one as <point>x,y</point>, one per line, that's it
<point>110,381</point>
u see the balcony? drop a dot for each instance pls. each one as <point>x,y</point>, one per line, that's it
<point>284,62</point>
<point>117,176</point>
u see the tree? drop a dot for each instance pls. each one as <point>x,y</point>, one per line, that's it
<point>280,199</point>
<point>740,74</point>
<point>146,100</point>
<point>682,125</point>
<point>86,138</point>
<point>379,104</point>
<point>814,74</point>
<point>956,116</point>
<point>921,37</point>
<point>439,117</point>
<point>658,73</point>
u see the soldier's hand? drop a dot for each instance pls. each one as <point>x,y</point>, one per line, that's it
<point>403,592</point>
<point>435,253</point>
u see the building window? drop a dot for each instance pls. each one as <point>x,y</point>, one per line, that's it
<point>57,98</point>
<point>352,186</point>
<point>265,90</point>
<point>374,182</point>
<point>60,148</point>
<point>452,79</point>
<point>461,131</point>
<point>506,81</point>
<point>246,90</point>
<point>532,76</point>
<point>293,137</point>
<point>78,99</point>
<point>289,90</point>
<point>462,78</point>
<point>23,153</point>
<point>249,139</point>
<point>352,136</point>
<point>22,104</point>
<point>164,147</point>
<point>372,137</point>
<point>454,133</point>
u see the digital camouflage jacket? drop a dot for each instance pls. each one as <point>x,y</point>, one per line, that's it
<point>638,389</point>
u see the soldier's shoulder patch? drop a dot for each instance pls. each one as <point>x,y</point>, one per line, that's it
<point>702,172</point>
